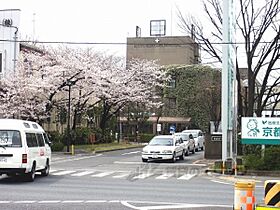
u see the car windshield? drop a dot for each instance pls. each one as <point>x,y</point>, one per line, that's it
<point>185,137</point>
<point>193,133</point>
<point>10,138</point>
<point>161,142</point>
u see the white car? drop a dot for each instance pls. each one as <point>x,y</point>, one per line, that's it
<point>198,138</point>
<point>163,147</point>
<point>24,149</point>
<point>189,143</point>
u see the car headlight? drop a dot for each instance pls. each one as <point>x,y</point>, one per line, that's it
<point>167,151</point>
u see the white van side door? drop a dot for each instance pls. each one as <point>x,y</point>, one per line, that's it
<point>33,149</point>
<point>42,150</point>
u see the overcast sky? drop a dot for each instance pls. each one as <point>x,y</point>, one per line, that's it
<point>96,20</point>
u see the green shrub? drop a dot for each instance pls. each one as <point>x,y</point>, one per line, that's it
<point>253,162</point>
<point>55,136</point>
<point>270,161</point>
<point>146,137</point>
<point>57,146</point>
<point>272,158</point>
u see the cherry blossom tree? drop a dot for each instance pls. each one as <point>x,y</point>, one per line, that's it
<point>96,79</point>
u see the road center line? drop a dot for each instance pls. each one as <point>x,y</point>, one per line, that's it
<point>129,153</point>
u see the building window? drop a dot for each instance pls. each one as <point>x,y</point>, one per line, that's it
<point>172,82</point>
<point>157,27</point>
<point>172,103</point>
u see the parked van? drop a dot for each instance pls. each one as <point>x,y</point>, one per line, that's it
<point>24,149</point>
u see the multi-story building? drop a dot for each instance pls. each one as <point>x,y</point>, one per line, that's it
<point>9,45</point>
<point>167,50</point>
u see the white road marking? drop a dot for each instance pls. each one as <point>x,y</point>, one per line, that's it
<point>24,202</point>
<point>123,162</point>
<point>73,201</point>
<point>165,176</point>
<point>3,202</point>
<point>96,201</point>
<point>63,173</point>
<point>220,182</point>
<point>150,204</point>
<point>167,205</point>
<point>53,170</point>
<point>103,174</point>
<point>50,201</point>
<point>123,175</point>
<point>75,159</point>
<point>83,173</point>
<point>129,153</point>
<point>162,164</point>
<point>143,176</point>
<point>186,176</point>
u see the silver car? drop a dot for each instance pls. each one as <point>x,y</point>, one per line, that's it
<point>188,141</point>
<point>198,138</point>
<point>163,147</point>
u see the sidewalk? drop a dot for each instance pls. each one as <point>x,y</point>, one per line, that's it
<point>249,175</point>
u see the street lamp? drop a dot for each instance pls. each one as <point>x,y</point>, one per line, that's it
<point>69,84</point>
<point>246,85</point>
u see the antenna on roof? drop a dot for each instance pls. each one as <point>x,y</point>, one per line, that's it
<point>33,21</point>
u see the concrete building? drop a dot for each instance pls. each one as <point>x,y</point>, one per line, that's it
<point>9,45</point>
<point>166,49</point>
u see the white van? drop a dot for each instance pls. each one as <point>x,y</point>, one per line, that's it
<point>24,149</point>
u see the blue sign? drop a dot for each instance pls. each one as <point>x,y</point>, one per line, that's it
<point>172,129</point>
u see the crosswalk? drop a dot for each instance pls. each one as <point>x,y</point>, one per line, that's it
<point>121,174</point>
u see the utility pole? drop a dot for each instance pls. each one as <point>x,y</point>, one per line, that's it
<point>228,80</point>
<point>69,114</point>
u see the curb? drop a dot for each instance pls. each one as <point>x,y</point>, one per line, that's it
<point>94,152</point>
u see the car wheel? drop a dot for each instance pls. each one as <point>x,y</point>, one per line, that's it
<point>183,155</point>
<point>202,148</point>
<point>187,152</point>
<point>196,149</point>
<point>46,171</point>
<point>173,160</point>
<point>144,160</point>
<point>30,177</point>
<point>193,151</point>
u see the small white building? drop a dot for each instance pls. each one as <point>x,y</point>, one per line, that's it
<point>9,45</point>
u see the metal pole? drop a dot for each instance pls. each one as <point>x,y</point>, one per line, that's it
<point>68,121</point>
<point>225,83</point>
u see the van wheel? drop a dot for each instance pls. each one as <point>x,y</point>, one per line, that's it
<point>30,177</point>
<point>46,170</point>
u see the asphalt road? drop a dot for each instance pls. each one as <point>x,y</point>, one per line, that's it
<point>119,180</point>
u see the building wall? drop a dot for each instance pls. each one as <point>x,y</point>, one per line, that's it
<point>167,50</point>
<point>8,49</point>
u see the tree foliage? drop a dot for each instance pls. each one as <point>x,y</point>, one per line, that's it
<point>43,81</point>
<point>197,93</point>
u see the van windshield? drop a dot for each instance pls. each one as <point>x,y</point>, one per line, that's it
<point>10,138</point>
